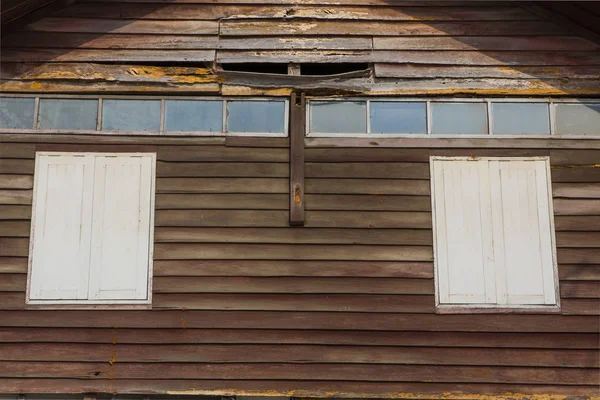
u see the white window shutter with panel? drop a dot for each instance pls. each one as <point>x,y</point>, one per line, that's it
<point>522,232</point>
<point>121,228</point>
<point>493,232</point>
<point>61,227</point>
<point>463,213</point>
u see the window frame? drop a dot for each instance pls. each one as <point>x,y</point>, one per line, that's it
<point>109,304</point>
<point>465,308</point>
<point>552,102</point>
<point>161,132</point>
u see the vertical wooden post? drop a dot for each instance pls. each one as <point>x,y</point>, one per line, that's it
<point>297,129</point>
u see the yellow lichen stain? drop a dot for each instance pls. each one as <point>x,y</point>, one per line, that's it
<point>35,85</point>
<point>183,323</point>
<point>114,340</point>
<point>231,90</point>
<point>569,166</point>
<point>389,395</point>
<point>175,74</point>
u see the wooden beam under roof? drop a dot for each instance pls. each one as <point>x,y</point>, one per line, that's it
<point>17,12</point>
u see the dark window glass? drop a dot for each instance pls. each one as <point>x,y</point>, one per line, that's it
<point>131,115</point>
<point>338,117</point>
<point>578,119</point>
<point>459,118</point>
<point>16,112</point>
<point>68,114</point>
<point>256,116</point>
<point>398,117</point>
<point>520,118</point>
<point>194,115</point>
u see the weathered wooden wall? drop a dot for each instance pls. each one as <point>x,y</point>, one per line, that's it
<point>492,48</point>
<point>344,305</point>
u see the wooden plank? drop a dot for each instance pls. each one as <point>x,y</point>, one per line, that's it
<point>576,174</point>
<point>290,236</point>
<point>12,282</point>
<point>15,229</point>
<point>300,336</point>
<point>91,55</point>
<point>578,239</point>
<point>256,141</point>
<point>14,247</point>
<point>78,88</point>
<point>480,43</point>
<point>580,289</point>
<point>221,169</point>
<point>271,268</point>
<point>580,306</point>
<point>296,181</point>
<point>386,373</point>
<point>245,12</point>
<point>368,186</point>
<point>368,170</point>
<point>367,202</point>
<point>338,321</point>
<point>12,300</point>
<point>576,190</point>
<point>376,3</point>
<point>238,251</point>
<point>310,28</point>
<point>446,57</point>
<point>368,219</point>
<point>16,181</point>
<point>222,201</point>
<point>579,255</point>
<point>346,155</point>
<point>439,145</point>
<point>578,272</point>
<point>15,212</point>
<point>304,285</point>
<point>98,25</point>
<point>216,185</point>
<point>199,153</point>
<point>15,166</point>
<point>294,302</point>
<point>576,223</point>
<point>387,70</point>
<point>222,218</point>
<point>581,157</point>
<point>15,197</point>
<point>13,265</point>
<point>106,139</point>
<point>576,207</point>
<point>70,40</point>
<point>282,388</point>
<point>299,354</point>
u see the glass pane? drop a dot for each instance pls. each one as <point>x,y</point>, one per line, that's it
<point>16,112</point>
<point>520,118</point>
<point>131,115</point>
<point>578,119</point>
<point>256,116</point>
<point>459,118</point>
<point>398,117</point>
<point>338,117</point>
<point>68,114</point>
<point>192,115</point>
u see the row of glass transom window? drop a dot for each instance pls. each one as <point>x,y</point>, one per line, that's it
<point>325,117</point>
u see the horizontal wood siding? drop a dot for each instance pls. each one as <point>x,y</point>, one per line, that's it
<point>501,47</point>
<point>244,302</point>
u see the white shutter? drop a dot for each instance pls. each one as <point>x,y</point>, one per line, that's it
<point>61,222</point>
<point>522,232</point>
<point>462,223</point>
<point>121,228</point>
<point>493,231</point>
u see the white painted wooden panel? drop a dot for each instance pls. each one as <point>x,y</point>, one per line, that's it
<point>522,232</point>
<point>462,229</point>
<point>121,228</point>
<point>61,226</point>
